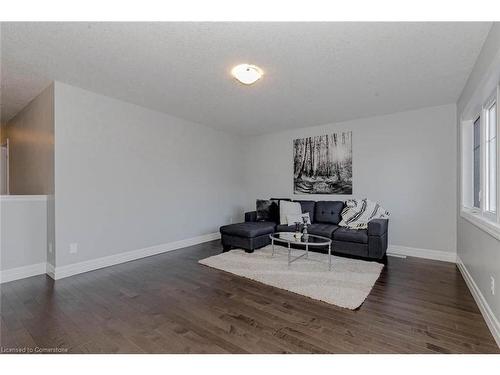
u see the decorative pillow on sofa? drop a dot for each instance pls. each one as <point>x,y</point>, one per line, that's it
<point>267,210</point>
<point>292,219</point>
<point>289,208</point>
<point>358,212</point>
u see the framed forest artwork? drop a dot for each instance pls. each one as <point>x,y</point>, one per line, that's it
<point>323,164</point>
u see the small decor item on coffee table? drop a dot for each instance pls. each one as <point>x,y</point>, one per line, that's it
<point>304,240</point>
<point>304,231</point>
<point>297,230</point>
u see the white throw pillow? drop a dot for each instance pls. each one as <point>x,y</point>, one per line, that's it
<point>289,208</point>
<point>292,219</point>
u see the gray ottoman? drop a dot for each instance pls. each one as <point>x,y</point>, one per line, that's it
<point>248,235</point>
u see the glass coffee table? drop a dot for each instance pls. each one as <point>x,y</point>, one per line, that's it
<point>305,240</point>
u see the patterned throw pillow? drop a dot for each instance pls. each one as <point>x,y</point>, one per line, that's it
<point>358,212</point>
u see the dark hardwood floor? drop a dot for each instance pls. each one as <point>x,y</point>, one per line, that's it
<point>170,304</point>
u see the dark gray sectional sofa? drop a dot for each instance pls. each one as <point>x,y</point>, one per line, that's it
<point>325,216</point>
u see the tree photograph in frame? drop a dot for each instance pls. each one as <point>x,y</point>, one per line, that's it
<point>323,164</point>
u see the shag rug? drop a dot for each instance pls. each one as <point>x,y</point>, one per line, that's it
<point>346,285</point>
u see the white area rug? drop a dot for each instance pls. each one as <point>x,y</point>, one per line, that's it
<point>346,285</point>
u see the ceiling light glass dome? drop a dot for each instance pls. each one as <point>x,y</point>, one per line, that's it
<point>246,73</point>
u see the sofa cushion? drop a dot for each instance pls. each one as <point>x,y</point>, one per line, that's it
<point>351,235</point>
<point>249,230</point>
<point>328,212</point>
<point>325,230</point>
<point>308,206</point>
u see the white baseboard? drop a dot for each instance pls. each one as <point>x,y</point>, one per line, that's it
<point>481,302</point>
<point>94,264</point>
<point>23,198</point>
<point>22,272</point>
<point>50,270</point>
<point>399,251</point>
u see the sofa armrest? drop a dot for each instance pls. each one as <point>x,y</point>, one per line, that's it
<point>378,227</point>
<point>250,216</point>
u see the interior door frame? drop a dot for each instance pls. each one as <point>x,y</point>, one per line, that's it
<point>7,172</point>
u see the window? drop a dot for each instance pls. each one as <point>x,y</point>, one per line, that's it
<point>491,158</point>
<point>480,164</point>
<point>477,162</point>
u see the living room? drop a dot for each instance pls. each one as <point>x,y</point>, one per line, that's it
<point>200,187</point>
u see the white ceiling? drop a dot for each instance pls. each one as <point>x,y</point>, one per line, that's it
<point>315,73</point>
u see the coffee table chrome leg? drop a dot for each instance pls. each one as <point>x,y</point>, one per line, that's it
<point>307,251</point>
<point>289,253</point>
<point>272,243</point>
<point>329,257</point>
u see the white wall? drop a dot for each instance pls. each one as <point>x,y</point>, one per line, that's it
<point>127,177</point>
<point>406,161</point>
<point>478,250</point>
<point>23,233</point>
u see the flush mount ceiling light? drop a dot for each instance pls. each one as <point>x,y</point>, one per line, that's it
<point>246,73</point>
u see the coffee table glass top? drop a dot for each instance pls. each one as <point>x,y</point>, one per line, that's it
<point>310,239</point>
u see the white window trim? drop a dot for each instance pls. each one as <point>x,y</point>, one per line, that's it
<point>481,222</point>
<point>484,220</point>
<point>479,117</point>
<point>492,215</point>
